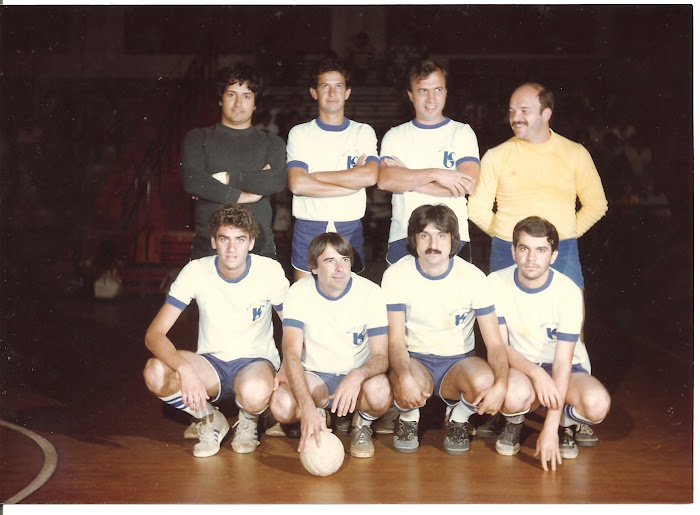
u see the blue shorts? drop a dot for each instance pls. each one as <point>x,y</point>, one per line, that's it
<point>227,372</point>
<point>307,230</point>
<point>438,366</point>
<point>575,369</point>
<point>397,250</point>
<point>330,380</point>
<point>567,262</point>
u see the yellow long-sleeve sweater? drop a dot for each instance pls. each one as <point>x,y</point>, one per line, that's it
<point>542,180</point>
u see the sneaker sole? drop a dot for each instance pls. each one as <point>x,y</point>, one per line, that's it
<point>568,455</point>
<point>406,450</point>
<point>361,454</point>
<point>587,443</point>
<point>456,452</point>
<point>200,454</point>
<point>245,450</point>
<point>508,451</point>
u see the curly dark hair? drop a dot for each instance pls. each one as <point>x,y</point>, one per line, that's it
<point>240,73</point>
<point>233,215</point>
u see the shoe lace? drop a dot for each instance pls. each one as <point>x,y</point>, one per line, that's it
<point>568,437</point>
<point>510,432</point>
<point>244,428</point>
<point>457,432</point>
<point>364,433</point>
<point>406,430</point>
<point>585,429</point>
<point>205,428</point>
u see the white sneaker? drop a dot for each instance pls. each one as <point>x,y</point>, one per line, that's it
<point>246,438</point>
<point>192,431</point>
<point>212,430</point>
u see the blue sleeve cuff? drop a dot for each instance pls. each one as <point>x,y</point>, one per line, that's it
<point>567,337</point>
<point>467,160</point>
<point>378,331</point>
<point>501,321</point>
<point>396,307</point>
<point>174,302</point>
<point>278,307</point>
<point>485,311</point>
<point>297,164</point>
<point>290,322</point>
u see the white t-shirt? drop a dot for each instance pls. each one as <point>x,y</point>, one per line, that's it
<point>318,147</point>
<point>336,331</point>
<point>235,317</point>
<point>537,319</point>
<point>440,311</point>
<point>445,145</point>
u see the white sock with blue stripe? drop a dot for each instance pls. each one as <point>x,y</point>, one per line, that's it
<point>175,400</point>
<point>462,411</point>
<point>569,417</point>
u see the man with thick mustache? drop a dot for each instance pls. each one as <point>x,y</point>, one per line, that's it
<point>537,173</point>
<point>433,298</point>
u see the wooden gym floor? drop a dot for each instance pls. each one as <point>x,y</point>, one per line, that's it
<point>71,375</point>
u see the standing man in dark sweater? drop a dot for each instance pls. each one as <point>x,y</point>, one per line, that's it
<point>234,162</point>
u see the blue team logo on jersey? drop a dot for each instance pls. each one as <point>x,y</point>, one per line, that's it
<point>460,315</point>
<point>257,312</point>
<point>352,161</point>
<point>551,333</point>
<point>448,159</point>
<point>359,335</point>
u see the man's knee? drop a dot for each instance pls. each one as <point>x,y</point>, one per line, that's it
<point>376,393</point>
<point>154,374</point>
<point>282,405</point>
<point>596,403</point>
<point>519,397</point>
<point>253,393</point>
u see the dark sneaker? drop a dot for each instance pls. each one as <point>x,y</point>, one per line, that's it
<point>471,430</point>
<point>584,435</point>
<point>343,425</point>
<point>492,427</point>
<point>567,443</point>
<point>457,438</point>
<point>508,443</point>
<point>386,424</point>
<point>406,436</point>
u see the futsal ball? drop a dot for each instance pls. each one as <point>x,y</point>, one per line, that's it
<point>326,459</point>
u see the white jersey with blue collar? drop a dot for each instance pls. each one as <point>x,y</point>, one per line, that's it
<point>235,316</point>
<point>440,311</point>
<point>445,145</point>
<point>319,147</point>
<point>537,319</point>
<point>336,330</point>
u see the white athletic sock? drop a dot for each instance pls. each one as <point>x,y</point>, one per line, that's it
<point>175,400</point>
<point>566,420</point>
<point>363,419</point>
<point>462,411</point>
<point>244,414</point>
<point>515,419</point>
<point>575,418</point>
<point>410,415</point>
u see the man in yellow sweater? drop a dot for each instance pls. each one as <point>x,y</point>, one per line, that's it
<point>537,173</point>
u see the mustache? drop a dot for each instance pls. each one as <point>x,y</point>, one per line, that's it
<point>433,251</point>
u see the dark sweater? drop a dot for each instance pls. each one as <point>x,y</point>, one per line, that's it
<point>242,153</point>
